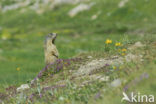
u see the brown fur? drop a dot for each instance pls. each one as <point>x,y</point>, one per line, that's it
<point>50,50</point>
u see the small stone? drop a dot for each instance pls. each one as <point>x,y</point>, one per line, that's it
<point>94,17</point>
<point>122,3</point>
<point>116,83</point>
<point>81,7</point>
<point>136,45</point>
<point>106,78</point>
<point>22,87</point>
<point>89,57</point>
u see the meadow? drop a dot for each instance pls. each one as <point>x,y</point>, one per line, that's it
<point>22,35</point>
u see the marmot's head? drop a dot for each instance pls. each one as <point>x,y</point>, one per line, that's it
<point>51,37</point>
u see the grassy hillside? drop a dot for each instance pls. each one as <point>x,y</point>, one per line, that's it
<point>22,33</point>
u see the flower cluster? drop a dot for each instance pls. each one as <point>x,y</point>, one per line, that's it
<point>124,50</point>
<point>108,41</point>
<point>118,45</point>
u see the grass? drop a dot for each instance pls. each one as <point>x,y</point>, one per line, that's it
<point>96,91</point>
<point>30,57</point>
<point>24,34</point>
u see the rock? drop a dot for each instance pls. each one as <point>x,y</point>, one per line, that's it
<point>37,5</point>
<point>97,64</point>
<point>136,45</point>
<point>130,57</point>
<point>81,7</point>
<point>116,83</point>
<point>105,79</point>
<point>95,16</point>
<point>46,1</point>
<point>58,2</point>
<point>122,3</point>
<point>22,87</point>
<point>10,7</point>
<point>99,77</point>
<point>62,2</point>
<point>89,57</point>
<point>15,6</point>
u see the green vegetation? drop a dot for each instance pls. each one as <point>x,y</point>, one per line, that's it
<point>22,33</point>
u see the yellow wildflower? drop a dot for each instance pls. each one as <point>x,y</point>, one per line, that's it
<point>124,50</point>
<point>108,41</point>
<point>18,69</point>
<point>118,44</point>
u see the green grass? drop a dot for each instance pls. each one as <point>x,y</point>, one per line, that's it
<point>86,94</point>
<point>78,36</point>
<point>28,53</point>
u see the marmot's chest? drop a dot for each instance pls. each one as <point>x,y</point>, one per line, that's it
<point>49,54</point>
<point>50,48</point>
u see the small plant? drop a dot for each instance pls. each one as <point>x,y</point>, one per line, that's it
<point>107,45</point>
<point>39,88</point>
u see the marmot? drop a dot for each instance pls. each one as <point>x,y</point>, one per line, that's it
<point>50,50</point>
